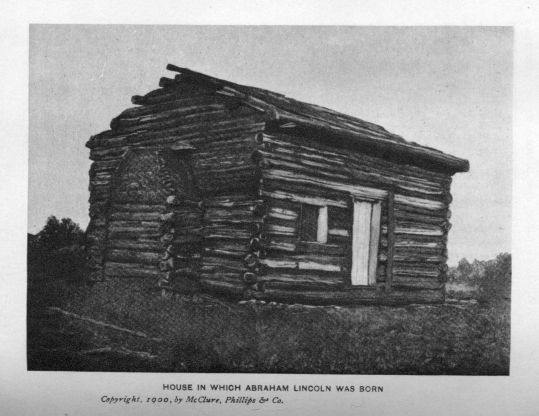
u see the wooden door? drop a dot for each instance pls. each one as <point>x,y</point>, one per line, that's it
<point>365,240</point>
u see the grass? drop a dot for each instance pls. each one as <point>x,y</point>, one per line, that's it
<point>219,336</point>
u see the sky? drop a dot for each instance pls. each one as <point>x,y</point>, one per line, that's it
<point>445,87</point>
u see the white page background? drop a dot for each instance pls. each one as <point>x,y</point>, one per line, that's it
<point>62,393</point>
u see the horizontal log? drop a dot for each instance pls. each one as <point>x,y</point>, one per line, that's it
<point>138,208</point>
<point>189,229</point>
<point>333,264</point>
<point>216,149</point>
<point>223,153</point>
<point>183,116</point>
<point>113,269</point>
<point>244,211</point>
<point>238,246</point>
<point>215,263</point>
<point>131,256</point>
<point>415,210</point>
<point>411,251</point>
<point>218,286</point>
<point>107,154</point>
<point>134,235</point>
<point>282,213</point>
<point>231,220</point>
<point>183,202</point>
<point>134,225</point>
<point>237,168</point>
<point>313,265</point>
<point>420,202</point>
<point>237,254</point>
<point>217,183</point>
<point>298,163</point>
<point>282,204</point>
<point>173,101</point>
<point>355,296</point>
<point>162,95</point>
<point>176,108</point>
<point>275,229</point>
<point>98,199</point>
<point>137,245</point>
<point>333,279</point>
<point>104,165</point>
<point>98,191</point>
<point>279,264</point>
<point>281,242</point>
<point>311,192</point>
<point>226,231</point>
<point>99,181</point>
<point>302,286</point>
<point>409,217</point>
<point>180,240</point>
<point>409,272</point>
<point>435,259</point>
<point>286,222</point>
<point>322,250</point>
<point>222,235</point>
<point>299,198</point>
<point>101,175</point>
<point>187,225</point>
<point>275,244</point>
<point>278,244</point>
<point>410,229</point>
<point>416,283</point>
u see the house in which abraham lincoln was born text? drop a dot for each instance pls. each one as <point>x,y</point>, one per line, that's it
<point>214,187</point>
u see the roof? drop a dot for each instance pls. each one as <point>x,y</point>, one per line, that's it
<point>287,110</point>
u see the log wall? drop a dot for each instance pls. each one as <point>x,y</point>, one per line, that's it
<point>218,131</point>
<point>296,170</point>
<point>230,221</point>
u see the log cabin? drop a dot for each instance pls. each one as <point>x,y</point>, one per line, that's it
<point>211,186</point>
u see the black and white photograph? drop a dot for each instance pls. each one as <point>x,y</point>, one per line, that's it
<point>311,200</point>
<point>269,207</point>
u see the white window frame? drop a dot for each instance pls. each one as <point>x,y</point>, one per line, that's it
<point>322,230</point>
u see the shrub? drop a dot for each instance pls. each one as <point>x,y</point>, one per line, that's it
<point>466,272</point>
<point>491,278</point>
<point>494,284</point>
<point>57,252</point>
